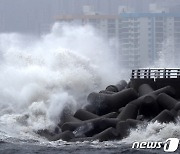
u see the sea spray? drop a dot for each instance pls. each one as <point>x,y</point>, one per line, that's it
<point>154,132</point>
<point>41,76</point>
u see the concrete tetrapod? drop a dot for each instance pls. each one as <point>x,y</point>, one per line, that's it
<point>130,111</point>
<point>149,107</point>
<point>66,135</point>
<point>107,103</point>
<point>166,101</point>
<point>84,115</point>
<point>106,135</point>
<point>100,125</point>
<point>118,87</point>
<point>100,120</point>
<point>68,118</point>
<point>90,127</point>
<point>106,92</point>
<point>133,123</point>
<point>121,85</point>
<point>123,129</point>
<point>164,117</point>
<point>177,106</point>
<point>144,89</point>
<point>167,90</point>
<point>90,108</point>
<point>110,115</point>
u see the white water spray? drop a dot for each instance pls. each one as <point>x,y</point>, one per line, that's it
<point>39,77</point>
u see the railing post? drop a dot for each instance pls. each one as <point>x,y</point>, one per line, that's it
<point>132,75</point>
<point>138,74</point>
<point>178,73</point>
<point>164,73</point>
<point>169,73</point>
<point>149,73</point>
<point>145,73</point>
<point>159,73</point>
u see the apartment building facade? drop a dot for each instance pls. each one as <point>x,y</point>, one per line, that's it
<point>141,38</point>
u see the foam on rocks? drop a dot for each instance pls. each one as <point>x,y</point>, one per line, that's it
<point>111,113</point>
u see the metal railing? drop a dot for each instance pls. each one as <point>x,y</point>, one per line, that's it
<point>155,73</point>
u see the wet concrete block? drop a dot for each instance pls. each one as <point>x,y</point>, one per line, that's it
<point>108,103</point>
<point>149,107</point>
<point>112,88</point>
<point>45,133</point>
<point>101,124</point>
<point>145,89</point>
<point>106,135</point>
<point>178,113</point>
<point>167,90</point>
<point>130,111</point>
<point>140,117</point>
<point>120,110</point>
<point>164,117</point>
<point>174,112</point>
<point>133,123</point>
<point>110,115</point>
<point>137,101</point>
<point>177,106</point>
<point>84,115</point>
<point>65,136</point>
<point>71,126</point>
<point>69,118</point>
<point>90,127</point>
<point>82,139</point>
<point>166,101</point>
<point>123,129</point>
<point>106,92</point>
<point>118,87</point>
<point>121,85</point>
<point>90,108</point>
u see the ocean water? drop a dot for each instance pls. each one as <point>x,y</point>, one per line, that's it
<point>31,147</point>
<point>42,76</point>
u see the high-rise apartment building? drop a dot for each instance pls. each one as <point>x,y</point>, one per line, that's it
<point>141,38</point>
<point>146,36</point>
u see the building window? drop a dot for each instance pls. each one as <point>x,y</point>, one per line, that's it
<point>111,21</point>
<point>111,26</point>
<point>159,23</point>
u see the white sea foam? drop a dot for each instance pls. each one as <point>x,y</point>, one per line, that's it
<point>41,76</point>
<point>154,132</point>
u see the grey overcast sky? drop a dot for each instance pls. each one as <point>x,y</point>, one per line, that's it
<point>31,15</point>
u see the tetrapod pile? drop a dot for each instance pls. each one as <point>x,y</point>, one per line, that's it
<point>111,113</point>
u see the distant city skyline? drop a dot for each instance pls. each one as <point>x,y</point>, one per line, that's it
<point>140,39</point>
<point>36,16</point>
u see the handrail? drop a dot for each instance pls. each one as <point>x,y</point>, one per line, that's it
<point>155,73</point>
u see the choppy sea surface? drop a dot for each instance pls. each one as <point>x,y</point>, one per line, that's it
<point>80,148</point>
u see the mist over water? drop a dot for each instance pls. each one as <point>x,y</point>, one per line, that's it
<point>166,56</point>
<point>41,76</point>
